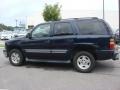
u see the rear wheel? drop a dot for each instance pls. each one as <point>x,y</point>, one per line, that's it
<point>16,57</point>
<point>84,62</point>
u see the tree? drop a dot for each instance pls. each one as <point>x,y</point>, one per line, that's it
<point>52,12</point>
<point>10,28</point>
<point>4,27</point>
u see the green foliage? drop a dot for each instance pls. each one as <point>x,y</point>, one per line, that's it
<point>10,28</point>
<point>4,27</point>
<point>52,12</point>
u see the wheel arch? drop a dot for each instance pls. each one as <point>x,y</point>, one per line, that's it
<point>88,48</point>
<point>14,47</point>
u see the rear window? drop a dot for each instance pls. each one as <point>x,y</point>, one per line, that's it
<point>91,27</point>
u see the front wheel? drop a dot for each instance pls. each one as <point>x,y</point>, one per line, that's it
<point>16,57</point>
<point>84,62</point>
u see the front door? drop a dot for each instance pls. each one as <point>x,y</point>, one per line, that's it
<point>38,46</point>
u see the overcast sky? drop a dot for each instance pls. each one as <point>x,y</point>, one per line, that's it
<point>20,9</point>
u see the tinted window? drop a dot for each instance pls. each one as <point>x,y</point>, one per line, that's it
<point>41,31</point>
<point>89,27</point>
<point>62,29</point>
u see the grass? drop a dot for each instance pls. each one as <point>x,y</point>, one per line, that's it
<point>1,45</point>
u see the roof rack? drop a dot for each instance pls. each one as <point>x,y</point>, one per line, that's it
<point>79,18</point>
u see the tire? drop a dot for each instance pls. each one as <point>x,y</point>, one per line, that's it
<point>16,57</point>
<point>84,62</point>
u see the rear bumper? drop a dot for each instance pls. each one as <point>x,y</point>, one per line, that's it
<point>107,54</point>
<point>117,53</point>
<point>116,56</point>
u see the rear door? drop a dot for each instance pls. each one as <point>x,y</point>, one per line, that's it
<point>62,40</point>
<point>95,32</point>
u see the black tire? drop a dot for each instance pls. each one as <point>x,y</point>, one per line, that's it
<point>21,57</point>
<point>91,62</point>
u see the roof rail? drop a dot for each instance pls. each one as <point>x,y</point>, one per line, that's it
<point>79,18</point>
<point>70,19</point>
<point>75,19</point>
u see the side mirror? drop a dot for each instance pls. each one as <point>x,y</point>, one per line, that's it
<point>28,35</point>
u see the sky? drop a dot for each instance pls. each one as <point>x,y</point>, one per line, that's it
<point>10,10</point>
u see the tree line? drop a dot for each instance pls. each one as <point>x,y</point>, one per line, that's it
<point>50,13</point>
<point>4,27</point>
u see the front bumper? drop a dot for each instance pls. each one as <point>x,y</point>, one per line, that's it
<point>5,53</point>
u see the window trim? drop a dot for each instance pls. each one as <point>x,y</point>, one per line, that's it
<point>37,27</point>
<point>107,27</point>
<point>89,20</point>
<point>53,31</point>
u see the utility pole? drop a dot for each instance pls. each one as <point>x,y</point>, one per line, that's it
<point>119,16</point>
<point>103,9</point>
<point>16,22</point>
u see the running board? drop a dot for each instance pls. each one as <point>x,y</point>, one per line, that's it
<point>49,61</point>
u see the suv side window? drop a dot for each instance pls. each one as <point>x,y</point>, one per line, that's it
<point>42,30</point>
<point>63,28</point>
<point>91,27</point>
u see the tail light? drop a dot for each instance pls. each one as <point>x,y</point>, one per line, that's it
<point>112,44</point>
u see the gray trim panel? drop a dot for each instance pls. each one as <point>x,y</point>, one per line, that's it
<point>45,50</point>
<point>38,50</point>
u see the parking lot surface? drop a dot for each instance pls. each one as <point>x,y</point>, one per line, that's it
<point>48,76</point>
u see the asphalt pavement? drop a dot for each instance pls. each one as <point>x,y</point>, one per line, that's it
<point>48,76</point>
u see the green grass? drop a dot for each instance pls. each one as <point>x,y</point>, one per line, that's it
<point>1,45</point>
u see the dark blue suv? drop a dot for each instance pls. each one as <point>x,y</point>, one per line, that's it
<point>80,41</point>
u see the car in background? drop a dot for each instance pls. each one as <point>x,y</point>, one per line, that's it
<point>0,33</point>
<point>6,35</point>
<point>19,33</point>
<point>117,35</point>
